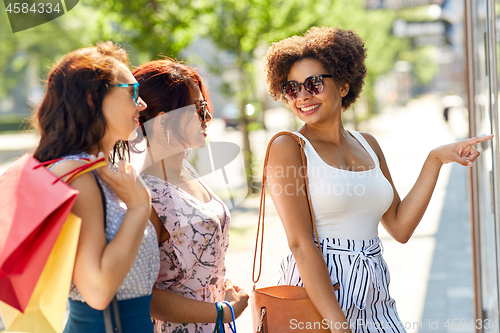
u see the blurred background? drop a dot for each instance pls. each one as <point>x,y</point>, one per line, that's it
<point>414,99</point>
<point>413,47</point>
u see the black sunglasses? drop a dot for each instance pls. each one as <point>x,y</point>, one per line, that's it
<point>313,85</point>
<point>202,108</point>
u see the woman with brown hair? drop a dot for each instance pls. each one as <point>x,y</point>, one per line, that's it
<point>91,104</point>
<point>351,189</point>
<point>192,221</point>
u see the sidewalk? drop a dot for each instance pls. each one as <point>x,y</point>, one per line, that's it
<point>432,273</point>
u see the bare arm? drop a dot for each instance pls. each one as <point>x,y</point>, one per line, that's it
<point>100,268</point>
<point>168,306</point>
<point>289,197</point>
<point>403,216</point>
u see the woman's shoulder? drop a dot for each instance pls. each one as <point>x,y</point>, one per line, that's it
<point>286,141</point>
<point>373,143</point>
<point>153,182</point>
<point>284,150</point>
<point>162,192</point>
<point>369,137</point>
<point>67,164</point>
<point>84,183</point>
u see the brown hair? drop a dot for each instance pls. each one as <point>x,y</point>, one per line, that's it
<point>166,85</point>
<point>341,53</point>
<point>70,118</point>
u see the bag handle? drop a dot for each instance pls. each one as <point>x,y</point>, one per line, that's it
<point>88,166</point>
<point>262,206</point>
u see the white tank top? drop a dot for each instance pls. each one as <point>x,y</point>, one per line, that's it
<point>347,204</point>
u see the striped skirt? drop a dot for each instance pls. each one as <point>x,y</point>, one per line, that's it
<point>360,270</point>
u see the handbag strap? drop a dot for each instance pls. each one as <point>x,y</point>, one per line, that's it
<point>262,206</point>
<point>108,323</point>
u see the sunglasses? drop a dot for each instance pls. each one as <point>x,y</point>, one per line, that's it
<point>313,85</point>
<point>202,108</point>
<point>136,90</point>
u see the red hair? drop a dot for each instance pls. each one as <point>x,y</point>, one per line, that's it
<point>167,85</point>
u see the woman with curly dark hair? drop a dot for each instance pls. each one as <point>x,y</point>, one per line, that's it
<point>317,76</point>
<point>92,102</point>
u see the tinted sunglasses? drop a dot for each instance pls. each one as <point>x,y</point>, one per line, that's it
<point>202,108</point>
<point>136,90</point>
<point>313,85</point>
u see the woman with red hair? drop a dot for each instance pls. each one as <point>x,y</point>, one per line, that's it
<point>191,220</point>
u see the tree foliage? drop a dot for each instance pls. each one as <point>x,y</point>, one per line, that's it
<point>239,27</point>
<point>27,56</point>
<point>154,27</point>
<point>150,28</point>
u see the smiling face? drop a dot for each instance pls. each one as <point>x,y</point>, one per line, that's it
<point>312,109</point>
<point>119,109</point>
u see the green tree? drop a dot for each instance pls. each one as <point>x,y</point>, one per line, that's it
<point>28,55</point>
<point>425,67</point>
<point>153,27</point>
<point>375,27</point>
<point>240,28</point>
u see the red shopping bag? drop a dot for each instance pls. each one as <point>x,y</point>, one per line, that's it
<point>34,205</point>
<point>46,308</point>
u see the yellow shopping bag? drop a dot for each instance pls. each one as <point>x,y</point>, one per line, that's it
<point>47,305</point>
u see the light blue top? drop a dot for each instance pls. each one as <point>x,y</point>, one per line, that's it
<point>142,276</point>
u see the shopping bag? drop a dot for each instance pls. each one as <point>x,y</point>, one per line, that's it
<point>46,307</point>
<point>34,206</point>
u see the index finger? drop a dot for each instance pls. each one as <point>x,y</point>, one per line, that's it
<point>478,139</point>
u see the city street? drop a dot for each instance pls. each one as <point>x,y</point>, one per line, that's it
<point>431,277</point>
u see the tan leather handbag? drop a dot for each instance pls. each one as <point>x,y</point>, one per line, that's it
<point>282,308</point>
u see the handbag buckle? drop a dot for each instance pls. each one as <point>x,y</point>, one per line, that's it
<point>261,321</point>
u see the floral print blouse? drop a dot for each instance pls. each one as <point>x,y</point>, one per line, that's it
<point>192,259</point>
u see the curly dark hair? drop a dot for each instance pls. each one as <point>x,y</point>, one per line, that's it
<point>341,52</point>
<point>70,118</point>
